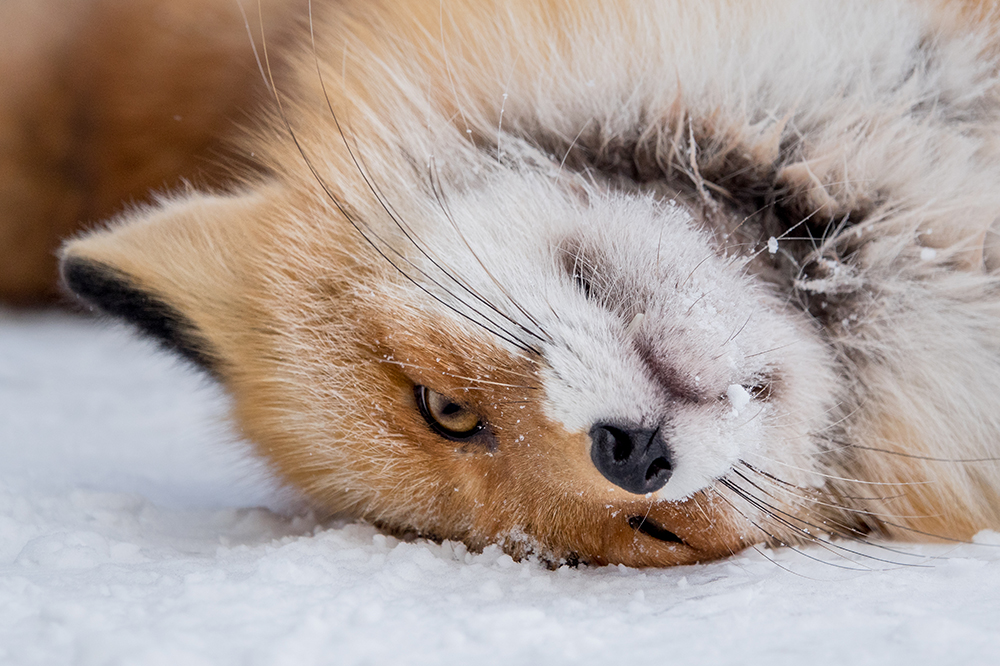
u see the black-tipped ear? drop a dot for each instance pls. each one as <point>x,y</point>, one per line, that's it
<point>114,293</point>
<point>182,272</point>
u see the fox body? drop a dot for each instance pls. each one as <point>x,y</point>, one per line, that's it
<point>603,281</point>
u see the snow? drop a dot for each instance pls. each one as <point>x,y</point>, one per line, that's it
<point>739,398</point>
<point>135,529</point>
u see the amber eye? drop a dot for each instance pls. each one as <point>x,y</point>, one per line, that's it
<point>445,416</point>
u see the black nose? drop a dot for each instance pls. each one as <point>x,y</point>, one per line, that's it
<point>636,459</point>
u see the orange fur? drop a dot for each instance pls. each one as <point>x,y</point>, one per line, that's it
<point>319,338</point>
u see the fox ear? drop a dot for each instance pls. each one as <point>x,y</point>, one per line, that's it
<point>174,272</point>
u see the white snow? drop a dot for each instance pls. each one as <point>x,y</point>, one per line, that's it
<point>928,254</point>
<point>739,398</point>
<point>772,245</point>
<point>135,530</point>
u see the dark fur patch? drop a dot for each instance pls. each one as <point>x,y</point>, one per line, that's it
<point>112,292</point>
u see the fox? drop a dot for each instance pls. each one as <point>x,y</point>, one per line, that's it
<point>597,281</point>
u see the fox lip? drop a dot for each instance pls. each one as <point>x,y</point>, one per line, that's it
<point>679,532</point>
<point>653,529</point>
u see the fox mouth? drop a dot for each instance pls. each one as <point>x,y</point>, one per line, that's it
<point>653,529</point>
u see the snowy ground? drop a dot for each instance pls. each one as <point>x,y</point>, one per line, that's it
<point>135,530</point>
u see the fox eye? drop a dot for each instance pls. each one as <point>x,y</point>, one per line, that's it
<point>445,416</point>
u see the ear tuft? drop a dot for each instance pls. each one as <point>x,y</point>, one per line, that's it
<point>115,293</point>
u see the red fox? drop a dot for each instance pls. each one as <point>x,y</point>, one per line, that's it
<point>600,281</point>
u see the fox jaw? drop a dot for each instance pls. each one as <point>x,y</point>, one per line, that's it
<point>447,321</point>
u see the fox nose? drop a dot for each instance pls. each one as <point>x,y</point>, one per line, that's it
<point>633,458</point>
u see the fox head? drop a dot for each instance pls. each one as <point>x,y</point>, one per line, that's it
<point>563,370</point>
<point>432,325</point>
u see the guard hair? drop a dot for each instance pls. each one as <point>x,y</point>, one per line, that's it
<point>608,282</point>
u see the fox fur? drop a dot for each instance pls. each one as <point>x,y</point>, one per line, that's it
<point>688,276</point>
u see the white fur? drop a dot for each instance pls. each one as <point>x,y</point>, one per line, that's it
<point>680,154</point>
<point>881,106</point>
<point>852,106</point>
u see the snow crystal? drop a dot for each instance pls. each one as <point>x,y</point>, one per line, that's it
<point>987,538</point>
<point>739,398</point>
<point>772,245</point>
<point>927,254</point>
